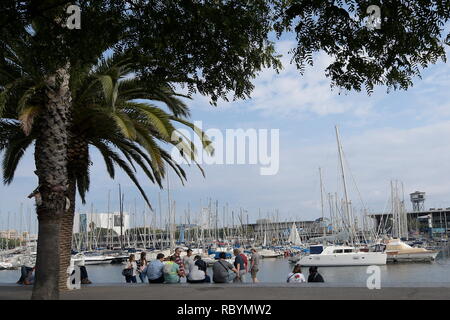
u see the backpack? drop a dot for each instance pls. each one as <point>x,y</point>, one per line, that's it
<point>127,272</point>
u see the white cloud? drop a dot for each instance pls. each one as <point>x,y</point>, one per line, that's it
<point>291,94</point>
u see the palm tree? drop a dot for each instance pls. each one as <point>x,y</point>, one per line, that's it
<point>107,116</point>
<point>25,81</point>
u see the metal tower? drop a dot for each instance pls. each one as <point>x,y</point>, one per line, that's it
<point>418,201</point>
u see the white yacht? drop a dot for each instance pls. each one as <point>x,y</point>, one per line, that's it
<point>332,256</point>
<point>398,251</point>
<point>91,258</point>
<point>6,265</point>
<point>269,253</point>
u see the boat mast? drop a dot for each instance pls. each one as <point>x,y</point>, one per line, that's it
<point>321,202</point>
<point>121,217</point>
<point>109,228</point>
<point>161,225</point>
<point>169,209</point>
<point>347,207</point>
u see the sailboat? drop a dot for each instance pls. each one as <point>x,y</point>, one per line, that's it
<point>295,240</point>
<point>264,251</point>
<point>268,253</point>
<point>294,237</point>
<point>342,255</point>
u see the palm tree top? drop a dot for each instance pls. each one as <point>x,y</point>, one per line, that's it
<point>113,110</point>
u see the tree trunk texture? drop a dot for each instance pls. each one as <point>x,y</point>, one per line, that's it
<point>65,236</point>
<point>78,163</point>
<point>51,169</point>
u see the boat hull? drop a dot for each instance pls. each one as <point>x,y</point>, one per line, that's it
<point>294,259</point>
<point>267,254</point>
<point>412,257</point>
<point>271,256</point>
<point>94,262</point>
<point>337,260</point>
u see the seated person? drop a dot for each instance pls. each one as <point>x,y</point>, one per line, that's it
<point>172,272</point>
<point>223,271</point>
<point>197,271</point>
<point>155,268</point>
<point>83,275</point>
<point>314,275</point>
<point>296,275</point>
<point>26,275</point>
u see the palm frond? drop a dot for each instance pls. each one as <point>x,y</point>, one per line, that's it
<point>156,118</point>
<point>13,153</point>
<point>125,124</point>
<point>123,165</point>
<point>109,92</point>
<point>206,142</point>
<point>27,116</point>
<point>106,152</point>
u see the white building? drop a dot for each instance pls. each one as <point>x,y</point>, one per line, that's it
<point>9,234</point>
<point>87,221</point>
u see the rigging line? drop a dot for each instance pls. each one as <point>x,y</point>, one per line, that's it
<point>354,181</point>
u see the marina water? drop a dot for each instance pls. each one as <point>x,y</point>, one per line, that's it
<point>275,271</point>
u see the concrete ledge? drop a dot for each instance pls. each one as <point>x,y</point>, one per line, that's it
<point>236,292</point>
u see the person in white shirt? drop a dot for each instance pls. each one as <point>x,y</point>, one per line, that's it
<point>197,271</point>
<point>296,275</point>
<point>188,259</point>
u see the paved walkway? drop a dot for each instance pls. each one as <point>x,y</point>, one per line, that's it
<point>236,292</point>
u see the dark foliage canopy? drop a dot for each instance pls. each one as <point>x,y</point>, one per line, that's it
<point>215,47</point>
<point>411,35</point>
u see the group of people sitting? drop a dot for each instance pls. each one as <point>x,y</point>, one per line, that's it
<point>297,276</point>
<point>193,268</point>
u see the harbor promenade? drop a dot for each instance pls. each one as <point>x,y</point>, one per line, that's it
<point>239,292</point>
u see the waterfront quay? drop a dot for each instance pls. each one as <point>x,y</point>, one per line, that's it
<point>419,291</point>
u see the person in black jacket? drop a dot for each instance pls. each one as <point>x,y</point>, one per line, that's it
<point>314,276</point>
<point>26,275</point>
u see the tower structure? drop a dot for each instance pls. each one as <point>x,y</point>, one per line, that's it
<point>418,201</point>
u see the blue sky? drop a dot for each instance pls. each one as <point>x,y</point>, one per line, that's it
<point>400,135</point>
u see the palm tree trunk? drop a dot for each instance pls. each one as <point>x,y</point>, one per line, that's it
<point>78,165</point>
<point>51,169</point>
<point>65,235</point>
